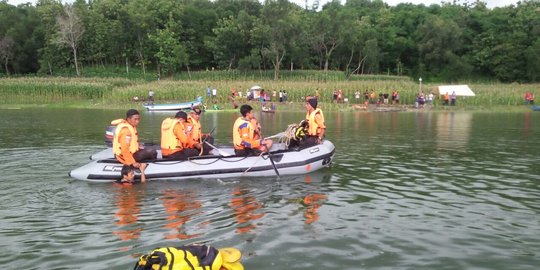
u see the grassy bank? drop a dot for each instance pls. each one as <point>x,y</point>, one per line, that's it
<point>106,92</point>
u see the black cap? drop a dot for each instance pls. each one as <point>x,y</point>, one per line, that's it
<point>312,102</point>
<point>196,110</point>
<point>181,114</point>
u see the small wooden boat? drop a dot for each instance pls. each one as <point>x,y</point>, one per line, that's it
<point>174,107</point>
<point>221,164</point>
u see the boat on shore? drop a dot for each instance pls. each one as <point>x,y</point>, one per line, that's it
<point>222,163</point>
<point>174,107</point>
<point>535,108</point>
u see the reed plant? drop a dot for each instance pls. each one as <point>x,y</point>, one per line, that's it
<point>118,91</point>
<point>49,90</point>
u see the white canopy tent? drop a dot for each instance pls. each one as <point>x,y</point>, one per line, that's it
<point>461,90</point>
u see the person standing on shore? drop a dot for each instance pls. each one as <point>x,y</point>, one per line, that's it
<point>446,98</point>
<point>126,146</point>
<point>453,99</point>
<point>151,97</point>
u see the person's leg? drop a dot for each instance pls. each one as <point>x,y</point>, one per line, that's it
<point>180,155</point>
<point>146,154</point>
<point>191,152</point>
<point>207,148</point>
<point>308,142</point>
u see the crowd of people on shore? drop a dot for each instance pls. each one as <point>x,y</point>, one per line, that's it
<point>182,137</point>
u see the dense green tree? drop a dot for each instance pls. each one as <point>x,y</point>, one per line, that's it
<point>171,54</point>
<point>70,31</point>
<point>279,22</point>
<point>445,42</point>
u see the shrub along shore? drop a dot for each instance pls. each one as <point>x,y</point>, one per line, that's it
<point>117,92</point>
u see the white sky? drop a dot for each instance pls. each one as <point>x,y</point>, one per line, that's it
<point>490,3</point>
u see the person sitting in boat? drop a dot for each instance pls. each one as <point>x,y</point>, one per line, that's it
<point>126,146</point>
<point>315,122</point>
<point>246,134</point>
<point>196,133</point>
<point>176,142</point>
<point>128,176</point>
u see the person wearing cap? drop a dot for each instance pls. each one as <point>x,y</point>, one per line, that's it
<point>246,138</point>
<point>315,120</point>
<point>176,142</point>
<point>196,133</point>
<point>126,146</point>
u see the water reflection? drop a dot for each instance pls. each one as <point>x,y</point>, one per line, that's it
<point>526,124</point>
<point>453,130</point>
<point>312,202</point>
<point>181,206</point>
<point>245,208</point>
<point>127,202</point>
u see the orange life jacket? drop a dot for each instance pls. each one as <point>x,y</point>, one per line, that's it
<point>134,141</point>
<point>196,131</point>
<point>237,138</point>
<point>313,126</point>
<point>168,138</point>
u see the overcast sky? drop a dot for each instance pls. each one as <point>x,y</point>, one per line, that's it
<point>490,3</point>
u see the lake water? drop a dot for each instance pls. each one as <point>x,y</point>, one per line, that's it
<point>407,190</point>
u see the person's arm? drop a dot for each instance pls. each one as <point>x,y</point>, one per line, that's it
<point>248,139</point>
<point>322,128</point>
<point>143,176</point>
<point>179,132</point>
<point>124,139</point>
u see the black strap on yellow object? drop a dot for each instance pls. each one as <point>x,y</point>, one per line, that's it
<point>146,261</point>
<point>205,256</point>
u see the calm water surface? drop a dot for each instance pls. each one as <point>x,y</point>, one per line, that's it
<point>408,190</point>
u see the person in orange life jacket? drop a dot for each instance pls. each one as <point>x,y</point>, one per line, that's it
<point>176,141</point>
<point>316,127</point>
<point>126,146</point>
<point>128,176</point>
<point>246,134</point>
<point>196,134</point>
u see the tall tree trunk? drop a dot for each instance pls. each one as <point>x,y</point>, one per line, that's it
<point>347,73</point>
<point>188,72</point>
<point>140,54</point>
<point>326,57</point>
<point>276,68</point>
<point>127,65</point>
<point>75,59</point>
<point>6,67</point>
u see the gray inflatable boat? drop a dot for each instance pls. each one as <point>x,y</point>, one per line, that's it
<point>222,163</point>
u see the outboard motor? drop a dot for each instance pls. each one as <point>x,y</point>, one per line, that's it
<point>109,135</point>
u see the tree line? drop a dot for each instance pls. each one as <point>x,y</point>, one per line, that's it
<point>446,42</point>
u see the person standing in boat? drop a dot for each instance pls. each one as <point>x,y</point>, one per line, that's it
<point>246,138</point>
<point>196,133</point>
<point>126,146</point>
<point>176,141</point>
<point>316,127</point>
